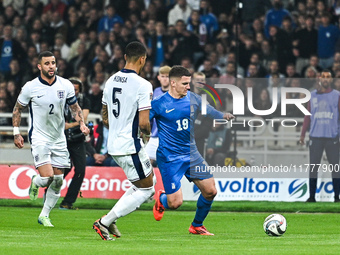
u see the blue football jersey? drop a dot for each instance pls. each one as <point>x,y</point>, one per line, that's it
<point>175,118</point>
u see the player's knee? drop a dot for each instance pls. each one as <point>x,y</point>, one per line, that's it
<point>210,194</point>
<point>57,182</point>
<point>175,204</point>
<point>45,181</point>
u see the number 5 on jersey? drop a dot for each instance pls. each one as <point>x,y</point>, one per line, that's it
<point>116,101</point>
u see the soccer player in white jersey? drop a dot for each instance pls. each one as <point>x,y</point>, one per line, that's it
<point>126,104</point>
<point>46,97</point>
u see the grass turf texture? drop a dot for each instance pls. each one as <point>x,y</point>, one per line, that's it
<point>235,233</point>
<point>230,206</point>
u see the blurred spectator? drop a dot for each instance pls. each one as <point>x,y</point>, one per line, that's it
<point>306,43</point>
<point>59,44</point>
<point>37,5</point>
<point>198,28</point>
<point>95,97</point>
<point>263,102</point>
<point>208,69</point>
<point>55,6</point>
<point>12,94</point>
<point>3,109</point>
<point>218,145</point>
<point>82,38</point>
<point>80,59</point>
<point>313,62</point>
<point>275,16</point>
<point>261,70</point>
<point>75,26</point>
<point>107,22</point>
<point>15,74</point>
<point>267,54</point>
<point>184,43</point>
<point>202,125</point>
<point>328,35</point>
<point>291,73</point>
<point>158,45</point>
<point>209,19</point>
<point>58,25</point>
<point>32,71</point>
<point>10,48</point>
<point>232,58</point>
<point>181,11</point>
<point>92,21</point>
<point>282,46</point>
<point>253,9</point>
<point>10,14</point>
<point>96,149</point>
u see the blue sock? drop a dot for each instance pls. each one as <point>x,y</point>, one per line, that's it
<point>203,208</point>
<point>164,200</point>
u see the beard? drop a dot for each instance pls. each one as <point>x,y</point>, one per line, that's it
<point>47,75</point>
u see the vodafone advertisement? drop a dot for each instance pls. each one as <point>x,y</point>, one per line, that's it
<point>99,182</point>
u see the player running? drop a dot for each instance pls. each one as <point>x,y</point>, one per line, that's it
<point>46,97</point>
<point>126,105</point>
<point>177,154</point>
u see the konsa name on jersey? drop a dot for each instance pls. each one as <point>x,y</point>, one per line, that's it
<point>120,79</point>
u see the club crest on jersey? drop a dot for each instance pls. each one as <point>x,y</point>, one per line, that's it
<point>61,94</point>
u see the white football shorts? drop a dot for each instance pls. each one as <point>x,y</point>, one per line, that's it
<point>55,154</point>
<point>136,166</point>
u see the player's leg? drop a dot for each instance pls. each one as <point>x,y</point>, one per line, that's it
<point>42,161</point>
<point>332,153</point>
<point>172,174</point>
<point>138,170</point>
<point>316,147</point>
<point>78,155</point>
<point>204,202</point>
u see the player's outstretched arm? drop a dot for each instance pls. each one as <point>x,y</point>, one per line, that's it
<point>79,117</point>
<point>105,116</point>
<point>16,119</point>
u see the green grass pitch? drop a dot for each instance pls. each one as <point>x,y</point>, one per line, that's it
<point>235,233</point>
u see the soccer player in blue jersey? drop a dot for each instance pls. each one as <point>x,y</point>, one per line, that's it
<point>177,154</point>
<point>323,126</point>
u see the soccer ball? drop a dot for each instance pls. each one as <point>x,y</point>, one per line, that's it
<point>275,225</point>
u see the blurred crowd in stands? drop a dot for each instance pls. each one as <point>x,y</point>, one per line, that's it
<point>277,39</point>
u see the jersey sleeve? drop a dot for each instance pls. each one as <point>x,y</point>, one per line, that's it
<point>71,96</point>
<point>25,95</point>
<point>104,100</point>
<point>153,113</point>
<point>144,96</point>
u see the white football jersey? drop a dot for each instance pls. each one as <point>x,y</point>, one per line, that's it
<point>125,94</point>
<point>46,108</point>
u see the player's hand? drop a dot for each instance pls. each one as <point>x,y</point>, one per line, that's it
<point>84,129</point>
<point>19,141</point>
<point>302,140</point>
<point>228,116</point>
<point>145,138</point>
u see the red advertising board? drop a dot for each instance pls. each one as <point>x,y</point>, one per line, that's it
<point>99,182</point>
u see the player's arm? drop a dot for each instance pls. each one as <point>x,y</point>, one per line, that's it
<point>77,114</point>
<point>16,119</point>
<point>305,126</point>
<point>144,124</point>
<point>105,116</point>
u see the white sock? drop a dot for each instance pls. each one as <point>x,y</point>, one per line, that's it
<point>127,204</point>
<point>52,195</point>
<point>42,181</point>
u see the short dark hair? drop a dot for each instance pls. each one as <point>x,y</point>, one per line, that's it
<point>178,72</point>
<point>44,54</point>
<point>134,50</point>
<point>76,81</point>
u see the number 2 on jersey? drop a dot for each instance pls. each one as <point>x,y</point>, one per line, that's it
<point>116,101</point>
<point>184,125</point>
<point>52,107</point>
